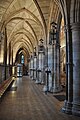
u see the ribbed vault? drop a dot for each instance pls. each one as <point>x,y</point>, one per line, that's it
<point>27,21</point>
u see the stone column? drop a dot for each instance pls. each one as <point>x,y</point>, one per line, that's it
<point>76,68</point>
<point>56,69</point>
<point>9,52</point>
<point>10,59</point>
<point>5,52</point>
<point>32,67</point>
<point>40,67</point>
<point>0,43</point>
<point>12,56</point>
<point>35,59</point>
<point>67,108</point>
<point>37,66</point>
<point>50,66</point>
<point>46,86</point>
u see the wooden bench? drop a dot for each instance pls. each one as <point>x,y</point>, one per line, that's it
<point>5,85</point>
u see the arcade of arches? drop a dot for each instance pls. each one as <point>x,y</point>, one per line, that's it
<point>41,39</point>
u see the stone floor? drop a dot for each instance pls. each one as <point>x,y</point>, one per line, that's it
<point>28,102</point>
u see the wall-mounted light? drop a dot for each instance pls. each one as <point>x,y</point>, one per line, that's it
<point>41,46</point>
<point>41,42</point>
<point>53,33</point>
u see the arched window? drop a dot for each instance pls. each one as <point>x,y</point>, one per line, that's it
<point>22,59</point>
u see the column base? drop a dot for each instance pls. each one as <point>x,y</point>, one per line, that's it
<point>38,82</point>
<point>76,109</point>
<point>57,89</point>
<point>30,76</point>
<point>42,82</point>
<point>45,88</point>
<point>34,79</point>
<point>67,108</point>
<point>51,89</point>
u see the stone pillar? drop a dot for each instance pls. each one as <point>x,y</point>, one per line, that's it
<point>11,67</point>
<point>12,56</point>
<point>35,60</point>
<point>76,68</point>
<point>5,52</point>
<point>50,66</point>
<point>2,37</point>
<point>46,86</point>
<point>40,70</point>
<point>37,66</point>
<point>10,72</point>
<point>43,69</point>
<point>56,69</point>
<point>32,67</point>
<point>9,52</point>
<point>0,43</point>
<point>67,108</point>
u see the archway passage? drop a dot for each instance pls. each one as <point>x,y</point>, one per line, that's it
<point>21,61</point>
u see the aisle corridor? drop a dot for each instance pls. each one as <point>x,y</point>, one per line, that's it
<point>29,102</point>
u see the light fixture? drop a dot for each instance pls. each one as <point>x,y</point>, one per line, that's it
<point>41,46</point>
<point>53,32</point>
<point>41,42</point>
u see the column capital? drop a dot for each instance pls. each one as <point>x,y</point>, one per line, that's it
<point>66,27</point>
<point>75,26</point>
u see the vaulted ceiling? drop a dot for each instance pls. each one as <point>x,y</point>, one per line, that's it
<point>27,21</point>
